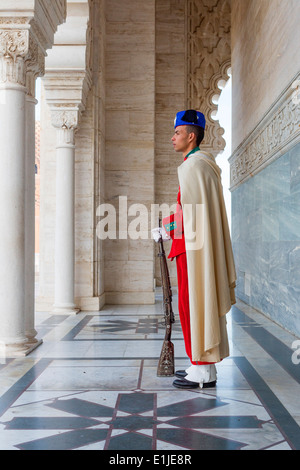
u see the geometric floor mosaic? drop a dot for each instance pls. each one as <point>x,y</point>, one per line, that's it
<point>195,422</point>
<point>92,385</point>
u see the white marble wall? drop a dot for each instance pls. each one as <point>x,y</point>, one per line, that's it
<point>129,148</point>
<point>170,98</point>
<point>265,58</point>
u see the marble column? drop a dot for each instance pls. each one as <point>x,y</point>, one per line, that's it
<point>66,123</point>
<point>30,103</point>
<point>25,35</point>
<point>13,52</point>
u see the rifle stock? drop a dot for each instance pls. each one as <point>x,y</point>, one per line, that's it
<point>165,366</point>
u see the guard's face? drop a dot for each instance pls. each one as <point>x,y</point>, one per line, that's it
<point>181,139</point>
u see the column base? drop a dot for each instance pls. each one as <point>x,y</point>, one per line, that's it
<point>18,349</point>
<point>65,310</point>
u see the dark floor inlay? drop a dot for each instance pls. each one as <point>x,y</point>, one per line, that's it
<point>66,441</point>
<point>196,440</point>
<point>114,326</point>
<point>130,441</point>
<point>279,351</point>
<point>221,422</point>
<point>82,408</point>
<point>189,407</point>
<point>147,326</point>
<point>50,423</point>
<point>132,423</point>
<point>136,402</point>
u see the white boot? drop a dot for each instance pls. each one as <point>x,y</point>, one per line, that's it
<point>201,374</point>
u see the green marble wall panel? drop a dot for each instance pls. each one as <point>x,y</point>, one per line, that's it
<point>266,240</point>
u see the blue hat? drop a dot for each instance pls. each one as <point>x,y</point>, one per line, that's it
<point>189,118</point>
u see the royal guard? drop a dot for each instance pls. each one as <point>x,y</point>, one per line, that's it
<point>202,248</point>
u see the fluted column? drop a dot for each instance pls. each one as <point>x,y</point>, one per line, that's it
<point>66,123</point>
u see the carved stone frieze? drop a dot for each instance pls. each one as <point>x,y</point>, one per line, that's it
<point>12,21</point>
<point>278,131</point>
<point>208,62</point>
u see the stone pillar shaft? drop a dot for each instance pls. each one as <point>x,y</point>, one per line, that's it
<point>65,230</point>
<point>30,331</point>
<point>22,56</point>
<point>12,206</point>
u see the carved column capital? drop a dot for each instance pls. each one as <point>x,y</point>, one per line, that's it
<point>64,118</point>
<point>66,108</point>
<point>21,58</point>
<point>14,47</point>
<point>25,37</point>
<point>66,122</point>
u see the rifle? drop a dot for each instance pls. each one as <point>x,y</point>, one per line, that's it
<point>166,361</point>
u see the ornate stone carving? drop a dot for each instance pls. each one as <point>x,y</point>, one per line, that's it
<point>14,47</point>
<point>24,39</point>
<point>208,61</point>
<point>35,66</point>
<point>13,20</point>
<point>64,118</point>
<point>66,122</point>
<point>278,131</point>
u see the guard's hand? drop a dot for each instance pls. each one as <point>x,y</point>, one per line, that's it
<point>158,233</point>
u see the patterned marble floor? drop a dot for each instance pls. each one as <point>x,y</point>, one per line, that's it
<point>92,385</point>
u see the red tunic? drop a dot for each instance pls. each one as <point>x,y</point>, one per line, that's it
<point>174,224</point>
<point>174,227</point>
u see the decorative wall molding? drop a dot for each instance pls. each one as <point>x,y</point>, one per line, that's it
<point>275,134</point>
<point>208,62</point>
